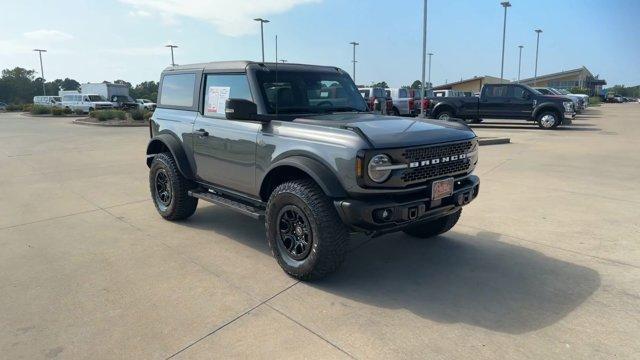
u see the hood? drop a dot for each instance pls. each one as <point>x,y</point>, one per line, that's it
<point>394,131</point>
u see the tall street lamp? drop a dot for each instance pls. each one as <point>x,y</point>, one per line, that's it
<point>262,22</point>
<point>429,78</point>
<point>519,62</point>
<point>505,4</point>
<point>173,63</point>
<point>424,53</point>
<point>40,51</point>
<point>354,59</point>
<point>535,74</point>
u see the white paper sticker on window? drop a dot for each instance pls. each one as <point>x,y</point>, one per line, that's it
<point>217,97</point>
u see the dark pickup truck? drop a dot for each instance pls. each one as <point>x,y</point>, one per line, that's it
<point>505,101</point>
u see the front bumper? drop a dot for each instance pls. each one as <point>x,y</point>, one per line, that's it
<point>365,215</point>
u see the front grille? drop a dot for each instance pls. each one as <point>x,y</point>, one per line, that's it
<point>421,173</point>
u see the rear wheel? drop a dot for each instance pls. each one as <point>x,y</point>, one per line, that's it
<point>432,228</point>
<point>444,115</point>
<point>169,189</point>
<point>304,231</point>
<point>396,112</point>
<point>548,119</point>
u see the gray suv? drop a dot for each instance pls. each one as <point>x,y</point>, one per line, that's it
<point>296,146</point>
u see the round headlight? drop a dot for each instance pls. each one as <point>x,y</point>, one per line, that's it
<point>375,163</point>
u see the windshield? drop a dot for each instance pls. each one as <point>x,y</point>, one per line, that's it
<point>563,92</point>
<point>298,92</point>
<point>95,98</point>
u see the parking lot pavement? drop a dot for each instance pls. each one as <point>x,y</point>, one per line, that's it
<point>544,264</point>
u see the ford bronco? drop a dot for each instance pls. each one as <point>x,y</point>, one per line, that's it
<point>296,146</point>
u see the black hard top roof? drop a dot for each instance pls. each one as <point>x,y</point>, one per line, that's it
<point>241,65</point>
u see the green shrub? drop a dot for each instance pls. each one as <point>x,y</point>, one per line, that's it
<point>147,115</point>
<point>14,107</point>
<point>39,110</point>
<point>137,114</point>
<point>103,115</point>
<point>27,107</point>
<point>77,111</point>
<point>56,111</point>
<point>595,101</point>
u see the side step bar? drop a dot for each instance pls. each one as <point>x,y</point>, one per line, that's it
<point>221,200</point>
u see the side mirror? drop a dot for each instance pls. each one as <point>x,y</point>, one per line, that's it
<point>240,109</point>
<point>526,96</point>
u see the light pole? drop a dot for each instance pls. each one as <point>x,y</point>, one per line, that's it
<point>354,59</point>
<point>173,63</point>
<point>429,76</point>
<point>262,22</point>
<point>535,74</point>
<point>505,4</point>
<point>424,53</point>
<point>519,62</point>
<point>40,51</point>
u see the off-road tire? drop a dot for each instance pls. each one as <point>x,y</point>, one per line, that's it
<point>181,205</point>
<point>395,111</point>
<point>329,236</point>
<point>433,228</point>
<point>555,114</point>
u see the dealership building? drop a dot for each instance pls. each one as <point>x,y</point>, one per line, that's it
<point>473,84</point>
<point>580,78</point>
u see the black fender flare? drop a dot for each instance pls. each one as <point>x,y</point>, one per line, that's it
<point>177,151</point>
<point>320,173</point>
<point>547,106</point>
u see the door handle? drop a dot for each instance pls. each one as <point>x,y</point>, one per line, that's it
<point>201,132</point>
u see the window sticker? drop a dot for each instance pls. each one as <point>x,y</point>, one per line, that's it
<point>217,97</point>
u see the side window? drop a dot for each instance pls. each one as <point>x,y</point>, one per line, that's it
<point>497,91</point>
<point>177,90</point>
<point>220,87</point>
<point>519,93</point>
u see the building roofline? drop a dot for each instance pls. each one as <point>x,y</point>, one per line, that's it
<point>557,74</point>
<point>439,87</point>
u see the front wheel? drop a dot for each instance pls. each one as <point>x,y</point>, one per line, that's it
<point>548,119</point>
<point>169,189</point>
<point>304,231</point>
<point>427,229</point>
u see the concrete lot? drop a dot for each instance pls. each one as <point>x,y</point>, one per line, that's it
<point>545,264</point>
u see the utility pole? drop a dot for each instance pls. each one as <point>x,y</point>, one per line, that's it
<point>171,46</point>
<point>40,51</point>
<point>429,78</point>
<point>354,59</point>
<point>262,22</point>
<point>505,4</point>
<point>424,53</point>
<point>519,62</point>
<point>535,74</point>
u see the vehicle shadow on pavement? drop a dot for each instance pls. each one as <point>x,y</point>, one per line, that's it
<point>531,126</point>
<point>476,280</point>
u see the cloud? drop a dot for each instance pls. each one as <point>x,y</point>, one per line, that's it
<point>48,35</point>
<point>139,13</point>
<point>229,17</point>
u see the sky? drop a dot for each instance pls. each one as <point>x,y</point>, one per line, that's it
<point>92,41</point>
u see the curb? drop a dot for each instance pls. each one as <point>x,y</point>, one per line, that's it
<point>493,140</point>
<point>49,115</point>
<point>81,122</point>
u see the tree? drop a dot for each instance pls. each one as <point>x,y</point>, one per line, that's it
<point>70,84</point>
<point>382,84</point>
<point>17,85</point>
<point>416,84</point>
<point>145,90</point>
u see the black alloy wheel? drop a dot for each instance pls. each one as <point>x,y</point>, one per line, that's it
<point>295,234</point>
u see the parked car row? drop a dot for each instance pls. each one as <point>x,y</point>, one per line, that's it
<point>616,98</point>
<point>90,102</point>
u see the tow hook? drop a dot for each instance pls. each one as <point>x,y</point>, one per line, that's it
<point>465,197</point>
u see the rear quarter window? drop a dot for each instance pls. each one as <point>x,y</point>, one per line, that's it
<point>177,90</point>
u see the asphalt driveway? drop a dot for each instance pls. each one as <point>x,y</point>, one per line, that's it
<point>544,264</point>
